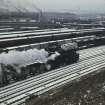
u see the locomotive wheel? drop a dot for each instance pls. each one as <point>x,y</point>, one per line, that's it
<point>5,80</point>
<point>48,67</point>
<point>33,69</point>
<point>42,68</point>
<point>51,65</point>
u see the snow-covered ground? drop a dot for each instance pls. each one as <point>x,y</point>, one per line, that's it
<point>89,91</point>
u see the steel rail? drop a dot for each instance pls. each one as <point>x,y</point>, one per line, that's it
<point>84,57</point>
<point>84,54</point>
<point>42,87</point>
<point>84,66</point>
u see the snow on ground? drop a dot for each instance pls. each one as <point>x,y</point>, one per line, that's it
<point>88,91</point>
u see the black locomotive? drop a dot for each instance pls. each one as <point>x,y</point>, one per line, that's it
<point>53,57</point>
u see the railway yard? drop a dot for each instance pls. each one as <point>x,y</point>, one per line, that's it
<point>82,77</point>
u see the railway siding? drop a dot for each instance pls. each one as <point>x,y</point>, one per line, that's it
<point>54,79</point>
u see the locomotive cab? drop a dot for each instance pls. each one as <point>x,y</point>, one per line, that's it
<point>64,54</point>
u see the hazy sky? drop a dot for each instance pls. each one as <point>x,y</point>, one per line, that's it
<point>73,5</point>
<point>62,5</point>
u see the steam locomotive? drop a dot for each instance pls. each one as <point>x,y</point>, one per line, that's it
<point>39,61</point>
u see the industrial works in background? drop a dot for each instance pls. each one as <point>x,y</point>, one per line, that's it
<point>21,17</point>
<point>36,19</point>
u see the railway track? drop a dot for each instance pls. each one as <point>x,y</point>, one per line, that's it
<point>84,54</point>
<point>36,33</point>
<point>37,37</point>
<point>14,33</point>
<point>38,45</point>
<point>82,43</point>
<point>58,31</point>
<point>17,93</point>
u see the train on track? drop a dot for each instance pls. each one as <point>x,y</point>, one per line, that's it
<point>15,65</point>
<point>83,42</point>
<point>38,37</point>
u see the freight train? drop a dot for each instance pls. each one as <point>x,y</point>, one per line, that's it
<point>15,65</point>
<point>38,37</point>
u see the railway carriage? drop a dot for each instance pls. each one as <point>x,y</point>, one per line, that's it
<point>30,38</point>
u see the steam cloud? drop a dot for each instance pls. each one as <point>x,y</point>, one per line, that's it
<point>24,57</point>
<point>18,5</point>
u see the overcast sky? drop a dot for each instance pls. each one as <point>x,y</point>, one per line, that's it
<point>73,5</point>
<point>62,5</point>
